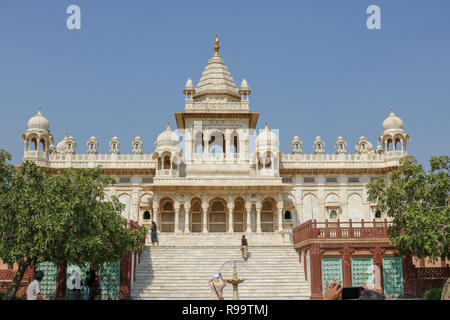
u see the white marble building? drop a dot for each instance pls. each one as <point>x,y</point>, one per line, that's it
<point>217,174</point>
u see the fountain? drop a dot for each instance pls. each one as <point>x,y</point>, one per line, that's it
<point>235,282</point>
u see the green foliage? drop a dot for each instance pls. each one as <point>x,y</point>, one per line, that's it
<point>418,202</point>
<point>60,218</point>
<point>432,294</point>
<point>2,297</point>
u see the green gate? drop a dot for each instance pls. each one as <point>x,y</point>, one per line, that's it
<point>71,270</point>
<point>331,269</point>
<point>362,271</point>
<point>48,283</point>
<point>393,276</point>
<point>110,275</point>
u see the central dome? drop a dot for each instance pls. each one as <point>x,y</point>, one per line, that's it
<point>216,79</point>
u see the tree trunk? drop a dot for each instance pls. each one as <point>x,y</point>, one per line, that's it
<point>12,290</point>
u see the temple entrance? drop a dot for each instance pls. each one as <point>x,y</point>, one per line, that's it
<point>267,224</point>
<point>217,218</point>
<point>196,217</point>
<point>167,217</point>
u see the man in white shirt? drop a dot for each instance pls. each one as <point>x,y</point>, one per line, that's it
<point>34,288</point>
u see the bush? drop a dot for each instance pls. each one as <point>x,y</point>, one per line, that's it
<point>432,294</point>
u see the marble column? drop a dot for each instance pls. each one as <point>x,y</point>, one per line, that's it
<point>177,217</point>
<point>204,219</point>
<point>206,146</point>
<point>187,206</point>
<point>248,209</point>
<point>258,206</point>
<point>227,152</point>
<point>280,216</point>
<point>230,206</point>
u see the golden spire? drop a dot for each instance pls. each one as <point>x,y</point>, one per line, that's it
<point>217,47</point>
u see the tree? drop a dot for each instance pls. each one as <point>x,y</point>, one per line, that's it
<point>418,203</point>
<point>61,218</point>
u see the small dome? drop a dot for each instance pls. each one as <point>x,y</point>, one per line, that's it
<point>267,138</point>
<point>167,138</point>
<point>189,84</point>
<point>393,122</point>
<point>244,84</point>
<point>39,122</point>
<point>61,146</point>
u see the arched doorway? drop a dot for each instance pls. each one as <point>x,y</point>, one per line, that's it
<point>239,216</point>
<point>167,217</point>
<point>217,217</point>
<point>196,216</point>
<point>267,216</point>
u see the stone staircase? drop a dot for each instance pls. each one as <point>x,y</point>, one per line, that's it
<point>182,272</point>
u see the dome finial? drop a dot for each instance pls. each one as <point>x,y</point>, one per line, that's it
<point>40,110</point>
<point>217,46</point>
<point>267,127</point>
<point>392,110</point>
<point>168,126</point>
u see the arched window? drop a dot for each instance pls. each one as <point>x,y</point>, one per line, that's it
<point>217,217</point>
<point>167,217</point>
<point>378,213</point>
<point>42,144</point>
<point>147,215</point>
<point>267,217</point>
<point>35,144</point>
<point>167,162</point>
<point>333,214</point>
<point>234,143</point>
<point>217,143</point>
<point>196,216</point>
<point>287,215</point>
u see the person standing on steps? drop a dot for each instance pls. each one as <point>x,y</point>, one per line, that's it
<point>217,284</point>
<point>154,236</point>
<point>244,247</point>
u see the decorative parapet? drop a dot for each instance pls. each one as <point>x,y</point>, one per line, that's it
<point>217,107</point>
<point>113,161</point>
<point>344,161</point>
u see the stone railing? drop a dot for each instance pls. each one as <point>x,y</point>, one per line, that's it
<point>306,161</point>
<point>103,160</point>
<point>311,230</point>
<point>35,154</point>
<point>216,107</point>
<point>166,173</point>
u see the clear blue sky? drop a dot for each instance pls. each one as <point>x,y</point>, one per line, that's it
<point>313,66</point>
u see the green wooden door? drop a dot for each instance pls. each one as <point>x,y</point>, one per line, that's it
<point>48,283</point>
<point>110,275</point>
<point>362,271</point>
<point>393,276</point>
<point>331,269</point>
